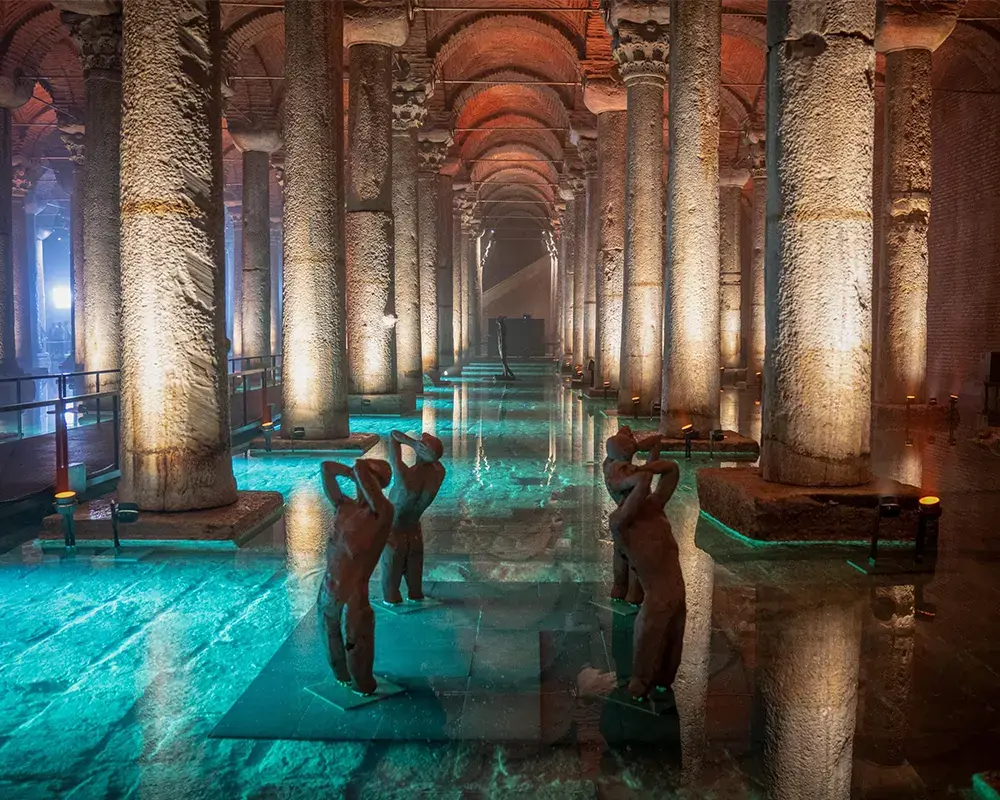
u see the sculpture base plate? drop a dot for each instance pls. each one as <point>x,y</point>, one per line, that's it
<point>408,606</point>
<point>658,703</point>
<point>226,527</point>
<point>761,511</point>
<point>344,698</point>
<point>356,443</point>
<point>382,404</point>
<point>617,607</point>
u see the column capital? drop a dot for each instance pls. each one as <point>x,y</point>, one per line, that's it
<point>586,146</point>
<point>72,134</point>
<point>96,34</point>
<point>604,94</point>
<point>15,91</point>
<point>409,96</point>
<point>754,138</point>
<point>914,24</point>
<point>374,22</point>
<point>278,165</point>
<point>24,177</point>
<point>639,37</point>
<point>433,149</point>
<point>729,176</point>
<point>254,136</point>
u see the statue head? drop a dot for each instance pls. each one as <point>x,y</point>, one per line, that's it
<point>429,449</point>
<point>621,446</point>
<point>382,469</point>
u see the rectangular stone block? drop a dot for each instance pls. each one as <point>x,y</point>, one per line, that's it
<point>387,404</point>
<point>772,512</point>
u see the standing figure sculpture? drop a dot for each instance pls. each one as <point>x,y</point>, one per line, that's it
<point>360,531</point>
<point>641,529</point>
<point>502,347</point>
<point>413,490</point>
<point>618,469</point>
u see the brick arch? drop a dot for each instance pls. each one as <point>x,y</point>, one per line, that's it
<point>476,145</point>
<point>969,44</point>
<point>557,97</point>
<point>246,31</point>
<point>513,152</point>
<point>480,102</point>
<point>498,42</point>
<point>27,42</point>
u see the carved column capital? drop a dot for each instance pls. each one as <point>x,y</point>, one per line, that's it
<point>72,134</point>
<point>639,37</point>
<point>97,37</point>
<point>433,150</point>
<point>259,137</point>
<point>754,138</point>
<point>15,91</point>
<point>409,96</point>
<point>587,148</point>
<point>914,24</point>
<point>377,22</point>
<point>278,165</point>
<point>24,177</point>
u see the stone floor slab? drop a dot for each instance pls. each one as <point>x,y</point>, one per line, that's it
<point>355,444</point>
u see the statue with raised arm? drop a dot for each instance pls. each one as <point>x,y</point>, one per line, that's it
<point>619,476</point>
<point>360,530</point>
<point>502,347</point>
<point>641,529</point>
<point>413,490</point>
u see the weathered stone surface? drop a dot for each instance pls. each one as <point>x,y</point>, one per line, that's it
<point>457,277</point>
<point>233,524</point>
<point>8,355</point>
<point>433,147</point>
<point>755,345</point>
<point>730,275</point>
<point>817,402</point>
<point>256,267</point>
<point>915,24</point>
<point>587,147</point>
<point>610,263</point>
<point>406,283</point>
<point>759,509</point>
<point>567,248</point>
<point>580,207</point>
<point>175,395</point>
<point>23,209</point>
<point>367,22</point>
<point>314,386</point>
<point>691,338</point>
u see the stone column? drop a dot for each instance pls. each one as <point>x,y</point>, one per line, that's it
<point>256,144</point>
<point>579,185</point>
<point>908,34</point>
<point>606,99</point>
<point>13,94</point>
<point>98,39</point>
<point>559,283</point>
<point>235,210</point>
<point>408,113</point>
<point>40,327</point>
<point>457,274</point>
<point>175,394</point>
<point>568,243</point>
<point>370,33</point>
<point>758,174</point>
<point>72,135</point>
<point>314,342</point>
<point>433,148</point>
<point>587,147</point>
<point>476,294</point>
<point>691,340</point>
<point>445,290</point>
<point>640,46</point>
<point>731,182</point>
<point>23,243</point>
<point>821,127</point>
<point>275,236</point>
<point>468,262</point>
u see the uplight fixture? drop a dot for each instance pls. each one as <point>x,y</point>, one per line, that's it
<point>928,514</point>
<point>66,503</point>
<point>689,432</point>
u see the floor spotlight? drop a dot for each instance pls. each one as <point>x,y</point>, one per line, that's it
<point>66,503</point>
<point>714,436</point>
<point>928,514</point>
<point>635,407</point>
<point>689,434</point>
<point>267,428</point>
<point>122,513</point>
<point>607,385</point>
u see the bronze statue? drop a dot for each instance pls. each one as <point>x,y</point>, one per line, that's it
<point>618,471</point>
<point>502,347</point>
<point>641,529</point>
<point>360,531</point>
<point>413,490</point>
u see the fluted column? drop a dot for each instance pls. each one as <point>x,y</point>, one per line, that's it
<point>908,34</point>
<point>606,99</point>
<point>98,39</point>
<point>408,113</point>
<point>731,182</point>
<point>13,95</point>
<point>640,46</point>
<point>370,33</point>
<point>256,144</point>
<point>568,253</point>
<point>314,355</point>
<point>173,315</point>
<point>433,147</point>
<point>821,111</point>
<point>691,340</point>
<point>758,174</point>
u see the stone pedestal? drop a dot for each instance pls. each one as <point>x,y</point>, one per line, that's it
<point>175,395</point>
<point>691,339</point>
<point>817,379</point>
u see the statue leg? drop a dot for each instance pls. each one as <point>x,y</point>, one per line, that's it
<point>620,571</point>
<point>635,591</point>
<point>652,627</point>
<point>415,564</point>
<point>332,612</point>
<point>361,645</point>
<point>393,562</point>
<point>670,660</point>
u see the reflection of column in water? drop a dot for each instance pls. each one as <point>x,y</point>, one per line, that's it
<point>308,522</point>
<point>456,420</point>
<point>807,677</point>
<point>465,420</point>
<point>750,415</point>
<point>901,454</point>
<point>887,671</point>
<point>428,415</point>
<point>691,686</point>
<point>729,410</point>
<point>578,415</point>
<point>609,427</point>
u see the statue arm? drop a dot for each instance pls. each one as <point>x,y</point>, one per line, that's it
<point>633,503</point>
<point>647,443</point>
<point>368,484</point>
<point>396,441</point>
<point>331,470</point>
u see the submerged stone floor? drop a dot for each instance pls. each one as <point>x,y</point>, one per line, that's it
<point>167,674</point>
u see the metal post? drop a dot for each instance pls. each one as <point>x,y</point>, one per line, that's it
<point>245,420</point>
<point>97,386</point>
<point>62,446</point>
<point>20,420</point>
<point>873,550</point>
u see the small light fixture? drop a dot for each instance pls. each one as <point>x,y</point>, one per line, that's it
<point>122,513</point>
<point>635,406</point>
<point>932,401</point>
<point>928,514</point>
<point>888,507</point>
<point>689,432</point>
<point>607,385</point>
<point>66,503</point>
<point>298,433</point>
<point>656,409</point>
<point>267,428</point>
<point>715,435</point>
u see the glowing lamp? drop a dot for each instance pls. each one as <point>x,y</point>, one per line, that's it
<point>635,407</point>
<point>910,398</point>
<point>928,514</point>
<point>689,433</point>
<point>932,401</point>
<point>298,432</point>
<point>715,435</point>
<point>66,503</point>
<point>267,428</point>
<point>607,385</point>
<point>122,514</point>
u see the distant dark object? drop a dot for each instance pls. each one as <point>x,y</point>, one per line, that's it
<point>525,337</point>
<point>502,346</point>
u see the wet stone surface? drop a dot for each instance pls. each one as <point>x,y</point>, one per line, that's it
<point>118,676</point>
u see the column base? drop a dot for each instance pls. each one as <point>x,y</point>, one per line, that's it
<point>600,394</point>
<point>388,404</point>
<point>226,527</point>
<point>761,511</point>
<point>895,416</point>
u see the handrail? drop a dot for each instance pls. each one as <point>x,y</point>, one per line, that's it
<point>44,376</point>
<point>12,407</point>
